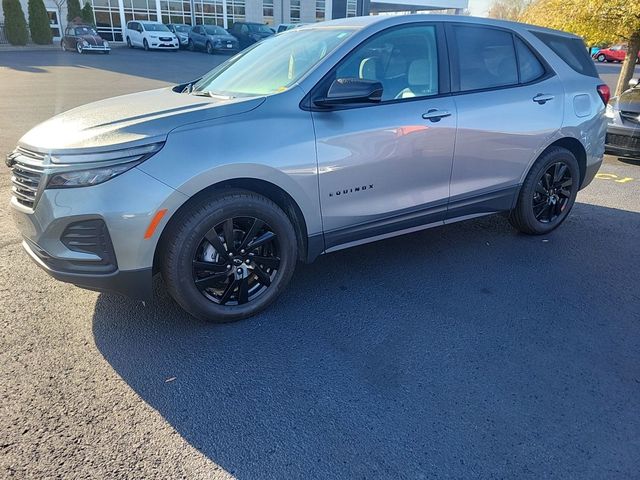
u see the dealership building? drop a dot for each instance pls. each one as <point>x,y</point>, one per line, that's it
<point>112,15</point>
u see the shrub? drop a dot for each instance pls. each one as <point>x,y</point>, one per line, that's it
<point>15,26</point>
<point>39,23</point>
<point>87,14</point>
<point>73,10</point>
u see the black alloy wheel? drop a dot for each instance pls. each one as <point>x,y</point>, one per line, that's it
<point>548,192</point>
<point>236,261</point>
<point>552,193</point>
<point>228,255</point>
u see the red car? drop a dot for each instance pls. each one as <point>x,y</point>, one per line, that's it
<point>613,54</point>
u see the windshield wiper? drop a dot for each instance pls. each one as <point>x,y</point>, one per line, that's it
<point>206,93</point>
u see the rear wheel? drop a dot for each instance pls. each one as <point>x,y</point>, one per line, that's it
<point>63,46</point>
<point>229,257</point>
<point>191,46</point>
<point>601,58</point>
<point>548,192</point>
<point>129,43</point>
<point>209,48</point>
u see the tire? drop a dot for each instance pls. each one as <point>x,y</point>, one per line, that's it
<point>79,48</point>
<point>62,45</point>
<point>209,48</point>
<point>544,204</point>
<point>601,58</point>
<point>187,251</point>
<point>129,43</point>
<point>145,44</point>
<point>191,46</point>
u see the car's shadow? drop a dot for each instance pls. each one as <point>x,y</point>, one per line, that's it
<point>464,351</point>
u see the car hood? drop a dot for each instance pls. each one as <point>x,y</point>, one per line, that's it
<point>630,100</point>
<point>129,120</point>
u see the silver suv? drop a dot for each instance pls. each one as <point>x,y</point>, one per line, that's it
<point>320,138</point>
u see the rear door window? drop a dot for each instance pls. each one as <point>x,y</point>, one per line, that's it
<point>530,67</point>
<point>485,57</point>
<point>571,50</point>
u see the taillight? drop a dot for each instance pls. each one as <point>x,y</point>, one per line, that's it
<point>604,92</point>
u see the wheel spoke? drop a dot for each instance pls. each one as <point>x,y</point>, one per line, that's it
<point>213,238</point>
<point>209,266</point>
<point>226,296</point>
<point>211,280</point>
<point>548,180</point>
<point>565,193</point>
<point>243,291</point>
<point>227,228</point>
<point>540,189</point>
<point>567,183</point>
<point>269,262</point>
<point>266,237</point>
<point>561,172</point>
<point>251,234</point>
<point>262,276</point>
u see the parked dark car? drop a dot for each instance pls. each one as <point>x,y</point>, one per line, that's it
<point>211,39</point>
<point>180,30</point>
<point>623,129</point>
<point>83,38</point>
<point>249,33</point>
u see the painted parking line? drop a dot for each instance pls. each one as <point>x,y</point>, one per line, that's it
<point>615,178</point>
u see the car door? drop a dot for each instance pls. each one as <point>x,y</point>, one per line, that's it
<point>385,167</point>
<point>134,34</point>
<point>509,103</point>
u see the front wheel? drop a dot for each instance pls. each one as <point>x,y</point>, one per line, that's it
<point>601,58</point>
<point>79,48</point>
<point>209,48</point>
<point>145,44</point>
<point>548,192</point>
<point>228,257</point>
<point>191,46</point>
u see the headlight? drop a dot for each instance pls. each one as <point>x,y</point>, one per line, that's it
<point>86,178</point>
<point>121,156</point>
<point>609,111</point>
<point>98,167</point>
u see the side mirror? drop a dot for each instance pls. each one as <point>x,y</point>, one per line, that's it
<point>633,83</point>
<point>348,91</point>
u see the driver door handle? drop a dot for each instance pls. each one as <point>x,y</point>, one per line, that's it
<point>435,115</point>
<point>541,98</point>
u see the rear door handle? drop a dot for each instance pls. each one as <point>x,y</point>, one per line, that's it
<point>435,115</point>
<point>541,98</point>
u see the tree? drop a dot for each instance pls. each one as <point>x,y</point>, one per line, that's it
<point>87,14</point>
<point>507,9</point>
<point>39,23</point>
<point>597,21</point>
<point>73,10</point>
<point>15,26</point>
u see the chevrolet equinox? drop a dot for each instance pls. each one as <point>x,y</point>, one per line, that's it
<point>317,139</point>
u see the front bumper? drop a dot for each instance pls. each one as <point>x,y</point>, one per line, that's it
<point>160,45</point>
<point>95,48</point>
<point>125,206</point>
<point>624,142</point>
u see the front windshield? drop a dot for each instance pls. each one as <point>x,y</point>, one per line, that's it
<point>274,64</point>
<point>255,28</point>
<point>85,31</point>
<point>182,28</point>
<point>213,30</point>
<point>155,27</point>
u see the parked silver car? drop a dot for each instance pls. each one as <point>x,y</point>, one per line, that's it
<point>623,115</point>
<point>320,138</point>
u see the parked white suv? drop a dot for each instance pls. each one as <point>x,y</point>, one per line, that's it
<point>150,35</point>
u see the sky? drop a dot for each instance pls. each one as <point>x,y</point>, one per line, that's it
<point>479,8</point>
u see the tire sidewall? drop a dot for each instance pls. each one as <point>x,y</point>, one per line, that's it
<point>178,271</point>
<point>79,48</point>
<point>145,45</point>
<point>526,197</point>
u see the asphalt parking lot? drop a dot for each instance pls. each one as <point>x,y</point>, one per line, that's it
<point>461,352</point>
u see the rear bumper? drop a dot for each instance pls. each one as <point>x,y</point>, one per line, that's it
<point>131,283</point>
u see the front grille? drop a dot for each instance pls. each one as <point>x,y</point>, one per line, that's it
<point>166,39</point>
<point>26,175</point>
<point>90,236</point>
<point>623,141</point>
<point>631,117</point>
